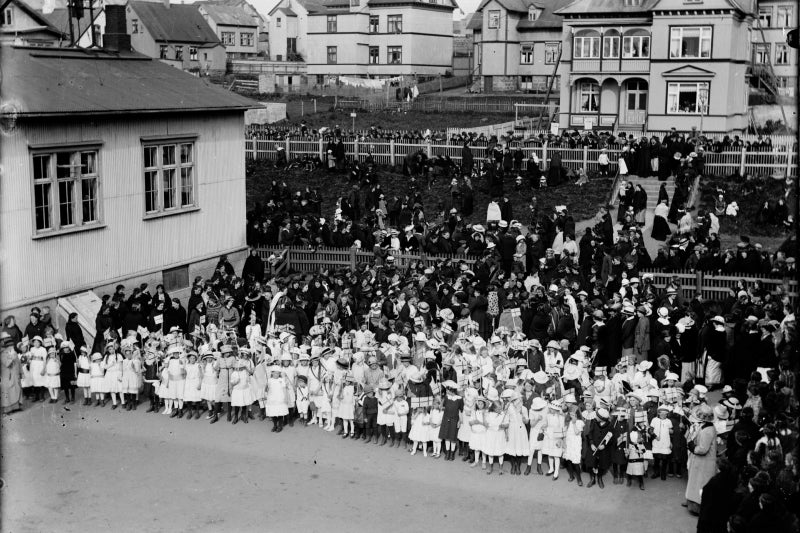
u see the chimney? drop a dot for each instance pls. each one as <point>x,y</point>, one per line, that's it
<point>116,37</point>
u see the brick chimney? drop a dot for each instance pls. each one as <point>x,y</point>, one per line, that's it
<point>116,37</point>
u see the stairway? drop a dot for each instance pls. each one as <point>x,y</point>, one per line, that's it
<point>651,186</point>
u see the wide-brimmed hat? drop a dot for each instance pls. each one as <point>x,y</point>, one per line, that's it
<point>384,384</point>
<point>450,384</point>
<point>540,377</point>
<point>538,403</point>
<point>644,366</point>
<point>704,413</point>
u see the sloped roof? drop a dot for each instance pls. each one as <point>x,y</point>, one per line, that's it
<point>229,15</point>
<point>59,81</point>
<point>59,19</point>
<point>447,3</point>
<point>177,23</point>
<point>475,21</point>
<point>36,15</point>
<point>312,6</point>
<point>518,6</point>
<point>547,18</point>
<point>580,7</point>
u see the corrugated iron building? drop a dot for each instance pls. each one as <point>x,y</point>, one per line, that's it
<point>117,169</point>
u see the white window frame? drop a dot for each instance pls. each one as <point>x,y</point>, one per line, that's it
<point>677,35</point>
<point>374,28</point>
<point>784,17</point>
<point>526,54</point>
<point>192,53</point>
<point>335,55</point>
<point>8,16</point>
<point>246,39</point>
<point>611,42</point>
<point>392,49</point>
<point>134,25</point>
<point>592,44</point>
<point>179,53</point>
<point>394,24</point>
<point>332,24</point>
<point>551,50</point>
<point>178,167</point>
<point>533,14</point>
<point>163,51</point>
<point>765,17</point>
<point>278,22</point>
<point>782,54</point>
<point>761,53</point>
<point>376,59</point>
<point>674,90</point>
<point>228,38</point>
<point>588,88</point>
<point>494,19</point>
<point>52,186</point>
<point>526,83</point>
<point>636,43</point>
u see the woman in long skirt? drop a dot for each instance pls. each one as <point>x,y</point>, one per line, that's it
<point>192,389</point>
<point>661,228</point>
<point>84,375</point>
<point>517,444</point>
<point>68,371</point>
<point>453,405</point>
<point>177,383</point>
<point>536,418</point>
<point>10,377</point>
<point>112,363</point>
<point>553,443</point>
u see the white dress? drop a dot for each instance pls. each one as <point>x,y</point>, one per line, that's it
<point>84,378</point>
<point>302,399</point>
<point>347,403</point>
<point>517,443</point>
<point>319,393</point>
<point>465,431</point>
<point>191,392</point>
<point>435,424</point>
<point>477,436</point>
<point>662,442</point>
<point>494,443</point>
<point>208,387</point>
<point>573,441</point>
<point>419,428</point>
<point>536,419</point>
<point>38,356</point>
<point>131,376</point>
<point>240,388</point>
<point>400,416</point>
<point>553,443</point>
<point>276,398</point>
<point>52,373</point>
<point>97,378</point>
<point>177,379</point>
<point>258,382</point>
<point>385,401</point>
<point>113,366</point>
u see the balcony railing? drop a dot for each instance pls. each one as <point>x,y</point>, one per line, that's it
<point>601,121</point>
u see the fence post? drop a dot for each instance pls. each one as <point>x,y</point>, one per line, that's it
<point>391,152</point>
<point>544,155</point>
<point>355,149</point>
<point>353,258</point>
<point>585,158</point>
<point>699,282</point>
<point>288,152</point>
<point>788,161</point>
<point>741,164</point>
<point>320,148</point>
<point>428,148</point>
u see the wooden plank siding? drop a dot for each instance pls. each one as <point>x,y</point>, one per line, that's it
<point>128,246</point>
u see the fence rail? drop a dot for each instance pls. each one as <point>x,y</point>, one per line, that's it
<point>708,286</point>
<point>392,153</point>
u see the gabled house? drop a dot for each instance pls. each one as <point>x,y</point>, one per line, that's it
<point>176,34</point>
<point>381,38</point>
<point>656,64</point>
<point>21,24</point>
<point>288,29</point>
<point>237,30</point>
<point>518,44</point>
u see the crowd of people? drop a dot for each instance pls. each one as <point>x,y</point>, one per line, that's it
<point>475,361</point>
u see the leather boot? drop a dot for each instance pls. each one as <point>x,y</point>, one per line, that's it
<point>235,415</point>
<point>263,414</point>
<point>250,414</point>
<point>527,470</point>
<point>539,469</point>
<point>663,470</point>
<point>600,481</point>
<point>229,413</point>
<point>280,425</point>
<point>592,480</point>
<point>246,415</point>
<point>214,414</point>
<point>180,412</point>
<point>199,412</point>
<point>578,475</point>
<point>383,440</point>
<point>569,471</point>
<point>641,482</point>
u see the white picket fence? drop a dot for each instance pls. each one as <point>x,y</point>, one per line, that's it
<point>776,163</point>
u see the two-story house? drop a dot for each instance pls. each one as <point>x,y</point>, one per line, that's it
<point>235,28</point>
<point>656,64</point>
<point>177,34</point>
<point>518,44</point>
<point>770,53</point>
<point>288,29</point>
<point>381,38</point>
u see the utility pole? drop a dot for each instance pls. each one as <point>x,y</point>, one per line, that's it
<point>70,9</point>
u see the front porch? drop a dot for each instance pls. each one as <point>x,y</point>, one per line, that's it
<point>608,103</point>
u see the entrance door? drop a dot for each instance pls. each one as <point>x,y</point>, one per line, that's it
<point>636,101</point>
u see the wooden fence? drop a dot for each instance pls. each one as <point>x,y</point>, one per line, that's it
<point>779,163</point>
<point>709,286</point>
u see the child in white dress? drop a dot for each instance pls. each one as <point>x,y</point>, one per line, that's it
<point>420,422</point>
<point>302,397</point>
<point>52,371</point>
<point>477,436</point>
<point>208,385</point>
<point>346,405</point>
<point>536,437</point>
<point>276,405</point>
<point>400,417</point>
<point>191,389</point>
<point>97,379</point>
<point>84,375</point>
<point>436,416</point>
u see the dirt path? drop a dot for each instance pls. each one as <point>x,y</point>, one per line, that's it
<point>91,469</point>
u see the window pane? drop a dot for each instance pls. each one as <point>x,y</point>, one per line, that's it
<point>89,200</point>
<point>150,156</point>
<point>65,202</point>
<point>41,193</point>
<point>151,190</point>
<point>168,154</point>
<point>169,187</point>
<point>41,167</point>
<point>63,165</point>
<point>88,163</point>
<point>187,197</point>
<point>186,153</point>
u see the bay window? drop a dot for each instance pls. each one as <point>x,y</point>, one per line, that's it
<point>687,98</point>
<point>692,42</point>
<point>586,45</point>
<point>636,46</point>
<point>611,46</point>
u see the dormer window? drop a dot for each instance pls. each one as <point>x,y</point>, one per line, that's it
<point>533,13</point>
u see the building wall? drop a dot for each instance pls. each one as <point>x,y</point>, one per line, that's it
<point>237,49</point>
<point>775,35</point>
<point>279,34</point>
<point>127,246</point>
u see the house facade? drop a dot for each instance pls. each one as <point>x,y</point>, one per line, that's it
<point>137,178</point>
<point>234,27</point>
<point>518,45</point>
<point>656,64</point>
<point>23,25</point>
<point>769,48</point>
<point>177,34</point>
<point>381,38</point>
<point>288,29</point>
